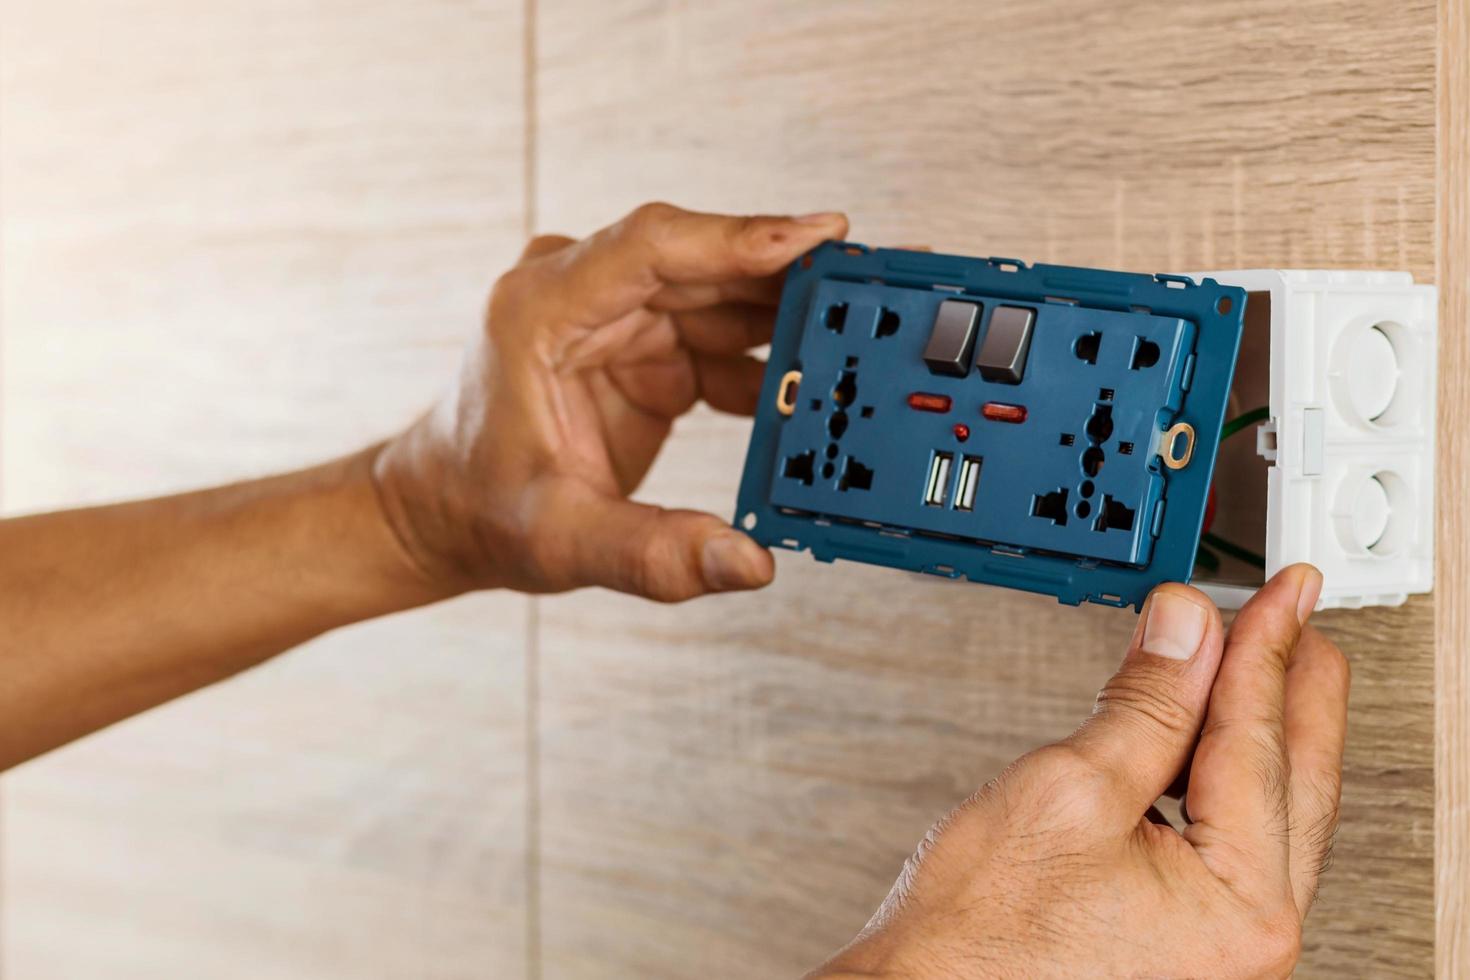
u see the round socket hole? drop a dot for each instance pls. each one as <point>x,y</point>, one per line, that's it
<point>1083,508</point>
<point>1087,488</point>
<point>831,450</point>
<point>1374,512</point>
<point>828,470</point>
<point>837,424</point>
<point>1370,373</point>
<point>1092,460</point>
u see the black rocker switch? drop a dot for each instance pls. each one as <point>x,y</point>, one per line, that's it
<point>1007,341</point>
<point>952,340</point>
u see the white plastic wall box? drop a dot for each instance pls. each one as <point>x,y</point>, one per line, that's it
<point>1350,440</point>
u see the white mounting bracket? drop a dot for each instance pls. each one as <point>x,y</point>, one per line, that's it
<point>1350,443</point>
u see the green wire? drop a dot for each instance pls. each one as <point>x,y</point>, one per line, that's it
<point>1233,550</point>
<point>1241,421</point>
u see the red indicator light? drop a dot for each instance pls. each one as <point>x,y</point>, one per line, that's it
<point>924,402</point>
<point>1001,412</point>
<point>961,431</point>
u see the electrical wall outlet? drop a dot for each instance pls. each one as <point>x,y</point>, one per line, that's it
<point>1044,428</point>
<point>1342,473</point>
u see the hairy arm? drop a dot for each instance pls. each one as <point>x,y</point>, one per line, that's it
<point>110,610</point>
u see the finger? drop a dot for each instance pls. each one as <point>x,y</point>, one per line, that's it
<point>545,245</point>
<point>1317,679</point>
<point>666,555</point>
<point>1148,714</point>
<point>758,291</point>
<point>623,267</point>
<point>1238,785</point>
<point>727,328</point>
<point>730,384</point>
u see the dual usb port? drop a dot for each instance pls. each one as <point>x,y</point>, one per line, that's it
<point>937,486</point>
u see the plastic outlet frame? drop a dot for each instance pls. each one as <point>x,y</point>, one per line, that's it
<point>1350,441</point>
<point>839,463</point>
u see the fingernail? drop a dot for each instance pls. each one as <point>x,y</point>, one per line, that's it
<point>1175,627</point>
<point>723,563</point>
<point>819,218</point>
<point>1311,589</point>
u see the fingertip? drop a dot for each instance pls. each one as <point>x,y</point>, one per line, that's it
<point>823,219</point>
<point>731,561</point>
<point>1309,589</point>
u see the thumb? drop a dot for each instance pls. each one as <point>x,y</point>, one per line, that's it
<point>1149,714</point>
<point>666,555</point>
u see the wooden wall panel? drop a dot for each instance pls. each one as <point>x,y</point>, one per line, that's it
<point>729,787</point>
<point>239,237</point>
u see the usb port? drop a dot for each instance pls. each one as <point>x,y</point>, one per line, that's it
<point>969,482</point>
<point>936,490</point>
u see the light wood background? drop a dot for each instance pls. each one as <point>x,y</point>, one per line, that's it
<point>240,236</point>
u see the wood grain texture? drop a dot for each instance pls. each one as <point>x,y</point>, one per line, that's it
<point>238,237</point>
<point>1452,624</point>
<point>730,787</point>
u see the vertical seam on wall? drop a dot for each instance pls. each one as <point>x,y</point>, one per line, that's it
<point>2,502</point>
<point>533,789</point>
<point>1452,550</point>
<point>533,612</point>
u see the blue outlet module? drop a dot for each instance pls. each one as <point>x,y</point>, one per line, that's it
<point>1044,428</point>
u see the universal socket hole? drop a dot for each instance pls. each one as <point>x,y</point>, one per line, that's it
<point>888,323</point>
<point>855,476</point>
<point>799,467</point>
<point>1370,374</point>
<point>844,393</point>
<point>1145,354</point>
<point>836,317</point>
<point>1086,347</point>
<point>1092,460</point>
<point>1100,425</point>
<point>748,521</point>
<point>837,424</point>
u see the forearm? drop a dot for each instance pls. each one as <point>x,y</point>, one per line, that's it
<point>107,611</point>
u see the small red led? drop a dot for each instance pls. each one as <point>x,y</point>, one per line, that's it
<point>923,401</point>
<point>961,431</point>
<point>1001,412</point>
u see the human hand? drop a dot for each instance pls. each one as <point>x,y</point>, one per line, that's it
<point>1055,869</point>
<point>590,350</point>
